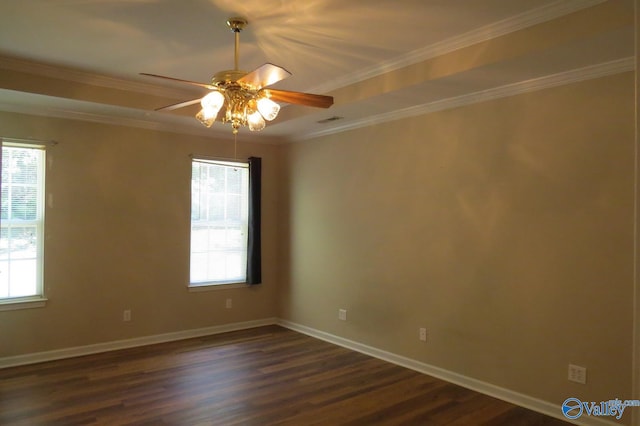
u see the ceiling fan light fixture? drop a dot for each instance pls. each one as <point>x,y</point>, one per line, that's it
<point>253,118</point>
<point>268,108</point>
<point>241,93</point>
<point>212,102</point>
<point>206,119</point>
<point>255,122</point>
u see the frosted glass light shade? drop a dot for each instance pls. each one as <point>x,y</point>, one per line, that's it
<point>205,119</point>
<point>211,103</point>
<point>255,122</point>
<point>268,108</point>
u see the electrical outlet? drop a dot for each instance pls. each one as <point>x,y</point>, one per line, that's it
<point>229,303</point>
<point>577,374</point>
<point>423,334</point>
<point>342,314</point>
<point>126,315</point>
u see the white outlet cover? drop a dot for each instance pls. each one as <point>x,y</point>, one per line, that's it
<point>577,374</point>
<point>423,334</point>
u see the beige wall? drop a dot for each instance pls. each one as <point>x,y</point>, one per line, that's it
<point>505,228</point>
<point>117,237</point>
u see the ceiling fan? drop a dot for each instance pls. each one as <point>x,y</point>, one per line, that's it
<point>246,96</point>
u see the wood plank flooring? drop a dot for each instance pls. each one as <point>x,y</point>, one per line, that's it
<point>263,376</point>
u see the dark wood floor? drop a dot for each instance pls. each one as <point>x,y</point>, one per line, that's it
<point>264,376</point>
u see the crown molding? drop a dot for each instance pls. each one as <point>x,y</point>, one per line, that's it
<point>496,29</point>
<point>85,77</point>
<point>532,85</point>
<point>148,123</point>
<point>553,80</point>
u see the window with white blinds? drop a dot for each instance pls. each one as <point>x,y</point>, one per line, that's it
<point>22,222</point>
<point>219,222</point>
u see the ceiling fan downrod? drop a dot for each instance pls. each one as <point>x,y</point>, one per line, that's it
<point>237,24</point>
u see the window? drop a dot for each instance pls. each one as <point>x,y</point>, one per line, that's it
<point>219,222</point>
<point>22,223</point>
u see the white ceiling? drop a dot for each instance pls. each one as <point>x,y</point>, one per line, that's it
<point>95,47</point>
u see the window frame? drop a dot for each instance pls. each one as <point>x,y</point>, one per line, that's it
<point>206,285</point>
<point>39,299</point>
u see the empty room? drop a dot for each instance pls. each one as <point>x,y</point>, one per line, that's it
<point>419,212</point>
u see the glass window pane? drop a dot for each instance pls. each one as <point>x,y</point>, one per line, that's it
<point>22,278</point>
<point>24,202</point>
<point>234,180</point>
<point>4,279</point>
<point>5,201</point>
<point>22,243</point>
<point>21,234</point>
<point>198,267</point>
<point>216,179</point>
<point>219,202</point>
<point>199,236</point>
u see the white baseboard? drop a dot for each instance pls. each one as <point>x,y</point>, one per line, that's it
<point>510,396</point>
<point>33,358</point>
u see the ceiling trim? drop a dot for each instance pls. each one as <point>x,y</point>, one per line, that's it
<point>497,29</point>
<point>532,85</point>
<point>553,80</point>
<point>140,123</point>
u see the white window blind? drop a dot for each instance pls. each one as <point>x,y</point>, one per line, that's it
<point>219,222</point>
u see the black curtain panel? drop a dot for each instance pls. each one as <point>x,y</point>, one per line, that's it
<point>254,252</point>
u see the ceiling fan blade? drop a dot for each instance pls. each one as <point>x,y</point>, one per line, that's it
<point>193,83</point>
<point>178,105</point>
<point>299,98</point>
<point>265,75</point>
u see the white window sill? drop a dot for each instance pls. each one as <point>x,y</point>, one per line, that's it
<point>211,287</point>
<point>22,303</point>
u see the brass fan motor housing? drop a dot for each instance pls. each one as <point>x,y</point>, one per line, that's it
<point>227,77</point>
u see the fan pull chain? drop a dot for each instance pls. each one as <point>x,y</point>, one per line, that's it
<point>235,146</point>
